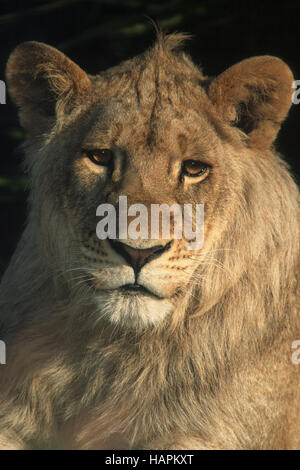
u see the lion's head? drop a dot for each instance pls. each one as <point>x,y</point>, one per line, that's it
<point>156,130</point>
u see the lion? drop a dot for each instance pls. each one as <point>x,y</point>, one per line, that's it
<point>142,343</point>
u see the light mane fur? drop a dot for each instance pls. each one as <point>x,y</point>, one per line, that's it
<point>202,377</point>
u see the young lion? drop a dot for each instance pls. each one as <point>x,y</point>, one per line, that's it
<point>143,343</point>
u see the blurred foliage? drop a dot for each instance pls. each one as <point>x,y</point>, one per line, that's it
<point>100,33</point>
<point>12,187</point>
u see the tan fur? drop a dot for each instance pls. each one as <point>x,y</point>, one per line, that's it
<point>206,366</point>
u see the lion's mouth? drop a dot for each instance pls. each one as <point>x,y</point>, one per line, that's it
<point>132,289</point>
<point>128,290</point>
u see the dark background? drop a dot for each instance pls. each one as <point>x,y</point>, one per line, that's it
<point>100,33</point>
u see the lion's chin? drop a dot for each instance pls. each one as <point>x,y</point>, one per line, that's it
<point>132,308</point>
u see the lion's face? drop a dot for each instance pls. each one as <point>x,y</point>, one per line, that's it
<point>148,130</point>
<point>142,280</point>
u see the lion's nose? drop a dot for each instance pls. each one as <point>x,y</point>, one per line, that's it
<point>138,257</point>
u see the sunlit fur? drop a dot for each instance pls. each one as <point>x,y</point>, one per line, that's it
<point>206,364</point>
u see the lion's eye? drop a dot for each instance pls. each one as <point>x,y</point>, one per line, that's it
<point>194,168</point>
<point>99,156</point>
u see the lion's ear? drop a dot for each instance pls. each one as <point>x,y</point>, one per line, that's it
<point>254,95</point>
<point>43,83</point>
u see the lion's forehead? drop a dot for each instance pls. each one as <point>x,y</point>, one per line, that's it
<point>165,128</point>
